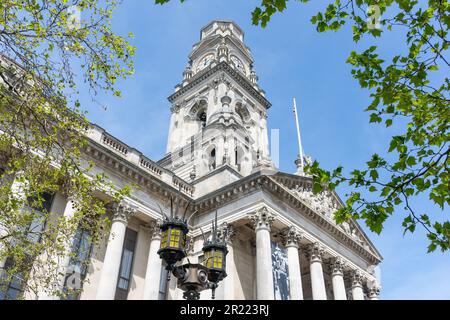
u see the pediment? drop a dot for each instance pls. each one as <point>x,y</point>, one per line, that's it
<point>326,204</point>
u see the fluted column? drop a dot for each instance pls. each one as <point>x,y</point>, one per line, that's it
<point>315,254</point>
<point>357,288</point>
<point>337,278</point>
<point>291,238</point>
<point>154,263</point>
<point>263,220</point>
<point>374,292</point>
<point>227,233</point>
<point>111,264</point>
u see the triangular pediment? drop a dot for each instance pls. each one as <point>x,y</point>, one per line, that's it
<point>326,204</point>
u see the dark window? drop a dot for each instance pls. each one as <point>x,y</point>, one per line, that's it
<point>202,118</point>
<point>38,211</point>
<point>126,265</point>
<point>79,262</point>
<point>212,159</point>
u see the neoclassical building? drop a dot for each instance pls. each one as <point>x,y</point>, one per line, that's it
<point>282,240</point>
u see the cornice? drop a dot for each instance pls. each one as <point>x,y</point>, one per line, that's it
<point>208,73</point>
<point>255,182</point>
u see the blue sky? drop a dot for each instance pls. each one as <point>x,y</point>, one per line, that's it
<point>291,59</point>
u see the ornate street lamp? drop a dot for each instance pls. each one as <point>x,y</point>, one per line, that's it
<point>192,277</point>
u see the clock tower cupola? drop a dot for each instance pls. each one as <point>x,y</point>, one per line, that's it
<point>219,112</point>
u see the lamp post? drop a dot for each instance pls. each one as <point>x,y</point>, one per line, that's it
<point>192,277</point>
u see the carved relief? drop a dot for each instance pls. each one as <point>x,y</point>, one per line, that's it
<point>315,252</point>
<point>357,278</point>
<point>122,211</point>
<point>226,233</point>
<point>323,203</point>
<point>291,237</point>
<point>337,266</point>
<point>262,218</point>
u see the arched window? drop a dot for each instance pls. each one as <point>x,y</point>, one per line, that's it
<point>202,118</point>
<point>212,159</point>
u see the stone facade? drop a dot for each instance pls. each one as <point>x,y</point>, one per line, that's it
<point>218,159</point>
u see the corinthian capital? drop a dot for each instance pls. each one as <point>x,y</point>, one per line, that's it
<point>315,252</point>
<point>337,266</point>
<point>291,237</point>
<point>374,292</point>
<point>357,278</point>
<point>122,211</point>
<point>155,229</point>
<point>262,219</point>
<point>226,233</point>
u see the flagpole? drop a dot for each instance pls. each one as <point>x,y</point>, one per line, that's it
<point>300,148</point>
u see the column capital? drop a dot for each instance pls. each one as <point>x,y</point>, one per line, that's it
<point>262,219</point>
<point>357,278</point>
<point>374,292</point>
<point>155,229</point>
<point>337,266</point>
<point>315,252</point>
<point>190,241</point>
<point>122,211</point>
<point>227,233</point>
<point>291,237</point>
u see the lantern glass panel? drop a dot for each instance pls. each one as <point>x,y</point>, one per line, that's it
<point>164,238</point>
<point>214,259</point>
<point>175,238</point>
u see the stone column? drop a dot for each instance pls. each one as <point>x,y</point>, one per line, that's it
<point>111,264</point>
<point>337,278</point>
<point>357,288</point>
<point>227,233</point>
<point>62,260</point>
<point>154,264</point>
<point>374,292</point>
<point>291,238</point>
<point>315,254</point>
<point>263,220</point>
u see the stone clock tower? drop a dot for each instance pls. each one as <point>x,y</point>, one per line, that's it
<point>219,111</point>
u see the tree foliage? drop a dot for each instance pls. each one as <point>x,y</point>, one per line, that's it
<point>44,46</point>
<point>406,93</point>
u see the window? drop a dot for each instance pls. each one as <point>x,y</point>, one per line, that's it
<point>11,285</point>
<point>126,265</point>
<point>78,266</point>
<point>212,159</point>
<point>202,118</point>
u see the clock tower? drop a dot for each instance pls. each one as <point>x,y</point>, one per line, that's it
<point>219,113</point>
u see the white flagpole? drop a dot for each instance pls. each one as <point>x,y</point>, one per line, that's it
<point>300,148</point>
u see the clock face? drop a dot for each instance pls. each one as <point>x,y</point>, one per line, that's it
<point>204,62</point>
<point>238,63</point>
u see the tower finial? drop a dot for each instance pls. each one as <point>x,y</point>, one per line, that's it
<point>300,161</point>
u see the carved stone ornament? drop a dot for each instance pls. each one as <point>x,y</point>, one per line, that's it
<point>337,266</point>
<point>357,278</point>
<point>155,229</point>
<point>323,203</point>
<point>374,292</point>
<point>262,219</point>
<point>122,211</point>
<point>291,237</point>
<point>315,252</point>
<point>226,233</point>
